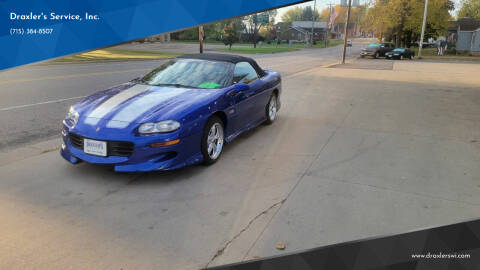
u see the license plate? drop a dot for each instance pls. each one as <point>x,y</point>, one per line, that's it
<point>93,147</point>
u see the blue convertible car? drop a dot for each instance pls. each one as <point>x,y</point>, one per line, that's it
<point>181,113</point>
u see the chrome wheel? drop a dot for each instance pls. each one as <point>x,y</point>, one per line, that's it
<point>215,141</point>
<point>272,108</point>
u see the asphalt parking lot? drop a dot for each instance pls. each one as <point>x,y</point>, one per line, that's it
<point>355,153</point>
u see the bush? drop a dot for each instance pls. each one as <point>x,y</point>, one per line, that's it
<point>452,50</point>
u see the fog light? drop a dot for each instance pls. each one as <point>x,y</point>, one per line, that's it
<point>160,144</point>
<point>63,146</point>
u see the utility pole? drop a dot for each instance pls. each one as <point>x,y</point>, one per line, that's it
<point>423,29</point>
<point>346,29</point>
<point>200,37</point>
<point>313,21</point>
<point>328,27</point>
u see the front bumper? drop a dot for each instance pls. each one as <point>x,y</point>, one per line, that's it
<point>367,53</point>
<point>391,56</point>
<point>143,158</point>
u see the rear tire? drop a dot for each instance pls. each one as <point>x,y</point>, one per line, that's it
<point>411,56</point>
<point>401,57</point>
<point>212,140</point>
<point>271,109</point>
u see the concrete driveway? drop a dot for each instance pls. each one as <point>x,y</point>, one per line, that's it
<point>354,153</point>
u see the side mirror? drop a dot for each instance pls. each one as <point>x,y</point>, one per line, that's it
<point>240,87</point>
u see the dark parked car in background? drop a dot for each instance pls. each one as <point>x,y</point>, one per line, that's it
<point>377,49</point>
<point>400,53</point>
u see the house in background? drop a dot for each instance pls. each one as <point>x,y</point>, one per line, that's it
<point>466,34</point>
<point>301,30</point>
<point>162,38</point>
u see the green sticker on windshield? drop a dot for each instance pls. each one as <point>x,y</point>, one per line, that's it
<point>209,85</point>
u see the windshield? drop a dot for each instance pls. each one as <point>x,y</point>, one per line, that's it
<point>191,73</point>
<point>399,50</point>
<point>373,45</point>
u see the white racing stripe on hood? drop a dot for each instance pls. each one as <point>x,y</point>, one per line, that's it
<point>141,105</point>
<point>117,99</point>
<point>103,109</point>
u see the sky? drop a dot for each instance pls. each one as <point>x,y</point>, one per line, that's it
<point>322,4</point>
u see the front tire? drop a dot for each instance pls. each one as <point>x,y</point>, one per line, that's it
<point>377,55</point>
<point>271,109</point>
<point>212,140</point>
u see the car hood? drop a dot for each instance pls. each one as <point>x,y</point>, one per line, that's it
<point>140,103</point>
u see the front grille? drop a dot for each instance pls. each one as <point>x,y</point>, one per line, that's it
<point>114,148</point>
<point>76,140</point>
<point>119,148</point>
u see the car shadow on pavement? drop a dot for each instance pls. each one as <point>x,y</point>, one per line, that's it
<point>107,173</point>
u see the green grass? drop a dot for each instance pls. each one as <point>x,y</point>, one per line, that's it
<point>299,45</point>
<point>427,51</point>
<point>259,50</point>
<point>274,48</point>
<point>196,41</point>
<point>116,55</point>
<point>431,53</point>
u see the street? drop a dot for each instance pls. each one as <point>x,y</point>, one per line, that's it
<point>372,148</point>
<point>34,99</point>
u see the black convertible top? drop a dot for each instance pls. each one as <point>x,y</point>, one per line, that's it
<point>225,58</point>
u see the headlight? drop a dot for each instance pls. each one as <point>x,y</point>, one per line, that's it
<point>72,115</point>
<point>159,127</point>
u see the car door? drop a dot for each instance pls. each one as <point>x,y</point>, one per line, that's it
<point>245,101</point>
<point>383,49</point>
<point>389,48</point>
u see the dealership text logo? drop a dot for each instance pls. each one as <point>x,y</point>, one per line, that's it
<point>52,16</point>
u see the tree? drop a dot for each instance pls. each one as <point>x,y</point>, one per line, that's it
<point>268,31</point>
<point>307,14</point>
<point>190,34</point>
<point>253,23</point>
<point>293,14</point>
<point>437,19</point>
<point>213,30</point>
<point>300,14</point>
<point>324,14</point>
<point>230,32</point>
<point>470,9</point>
<point>401,20</point>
